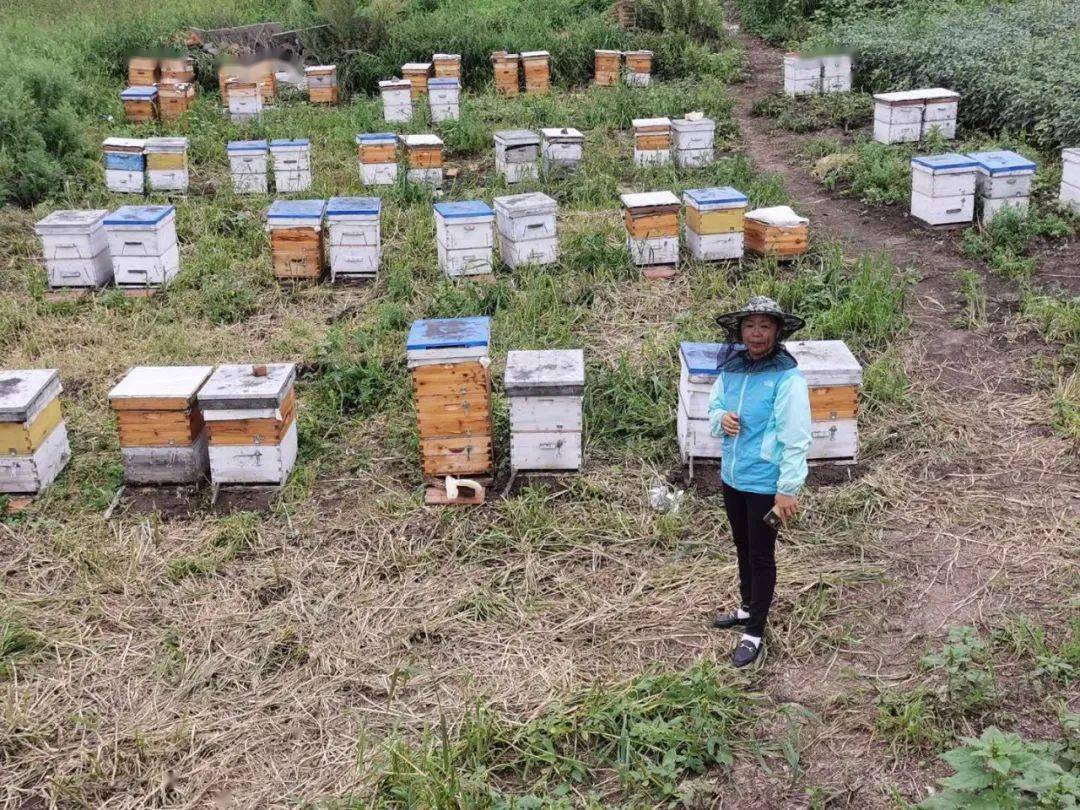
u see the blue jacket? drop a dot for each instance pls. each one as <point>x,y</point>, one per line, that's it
<point>771,398</point>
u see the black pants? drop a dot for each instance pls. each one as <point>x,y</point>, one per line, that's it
<point>755,544</point>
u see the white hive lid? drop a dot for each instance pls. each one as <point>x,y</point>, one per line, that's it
<point>555,372</point>
<point>237,387</point>
<point>531,203</point>
<point>22,391</point>
<point>647,199</point>
<point>779,216</point>
<point>422,140</point>
<point>161,382</point>
<point>646,123</point>
<point>517,137</point>
<point>534,54</point>
<point>71,222</point>
<point>166,144</point>
<point>562,134</point>
<point>901,97</point>
<point>826,362</point>
<point>124,144</point>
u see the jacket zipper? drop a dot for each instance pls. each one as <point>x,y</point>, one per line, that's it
<point>735,444</point>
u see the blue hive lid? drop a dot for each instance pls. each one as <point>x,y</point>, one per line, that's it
<point>1002,162</point>
<point>376,137</point>
<point>290,142</point>
<point>449,333</point>
<point>469,208</point>
<point>137,93</point>
<point>950,160</point>
<point>247,146</point>
<point>715,196</point>
<point>353,205</point>
<point>139,214</point>
<point>291,209</point>
<point>706,358</point>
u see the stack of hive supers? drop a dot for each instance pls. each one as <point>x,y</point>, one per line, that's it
<point>940,109</point>
<point>527,230</point>
<point>507,79</point>
<point>652,231</point>
<point>296,239</point>
<point>378,158</point>
<point>452,388</point>
<point>1003,181</point>
<point>606,68</point>
<point>561,149</point>
<point>545,390</point>
<point>1069,193</point>
<point>140,104</point>
<point>517,152</point>
<point>396,99</point>
<point>248,164</point>
<point>143,246</point>
<point>177,70</point>
<point>802,75</point>
<point>833,376</point>
<point>163,439</point>
<point>166,164</point>
<point>76,249</point>
<point>244,100</point>
<point>908,116</point>
<point>714,223</point>
<point>33,439</point>
<point>652,141</point>
<point>443,96</point>
<point>175,99</point>
<point>265,77</point>
<point>226,73</point>
<point>424,157</point>
<point>447,65</point>
<point>692,140</point>
<point>836,73</point>
<point>777,231</point>
<point>537,68</point>
<point>292,164</point>
<point>355,238</point>
<point>699,366</point>
<point>943,188</point>
<point>250,413</point>
<point>322,84</point>
<point>125,165</point>
<point>638,67</point>
<point>143,71</point>
<point>463,231</point>
<point>417,74</point>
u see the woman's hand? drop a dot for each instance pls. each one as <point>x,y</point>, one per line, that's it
<point>730,423</point>
<point>785,506</point>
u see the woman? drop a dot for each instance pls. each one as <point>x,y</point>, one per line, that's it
<point>761,407</point>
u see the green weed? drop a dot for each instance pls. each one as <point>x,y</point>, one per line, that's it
<point>973,293</point>
<point>236,533</point>
<point>964,665</point>
<point>17,641</point>
<point>844,111</point>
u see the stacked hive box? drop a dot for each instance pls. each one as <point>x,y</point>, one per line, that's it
<point>174,100</point>
<point>177,70</point>
<point>250,414</point>
<point>292,164</point>
<point>355,239</point>
<point>507,79</point>
<point>940,108</point>
<point>140,104</point>
<point>452,388</point>
<point>836,73</point>
<point>527,231</point>
<point>776,231</point>
<point>378,158</point>
<point>910,115</point>
<point>537,68</point>
<point>545,390</point>
<point>943,188</point>
<point>464,235</point>
<point>1003,181</point>
<point>652,231</point>
<point>143,246</point>
<point>1070,178</point>
<point>638,67</point>
<point>76,249</point>
<point>692,140</point>
<point>396,99</point>
<point>322,84</point>
<point>226,74</point>
<point>296,239</point>
<point>125,164</point>
<point>802,75</point>
<point>561,149</point>
<point>244,100</point>
<point>606,68</point>
<point>714,223</point>
<point>166,164</point>
<point>516,154</point>
<point>424,155</point>
<point>163,439</point>
<point>417,74</point>
<point>33,438</point>
<point>248,163</point>
<point>447,65</point>
<point>444,96</point>
<point>143,71</point>
<point>265,77</point>
<point>652,141</point>
<point>699,366</point>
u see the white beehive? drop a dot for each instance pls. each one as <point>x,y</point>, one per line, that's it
<point>802,74</point>
<point>465,237</point>
<point>248,164</point>
<point>444,96</point>
<point>244,100</point>
<point>699,366</point>
<point>396,97</point>
<point>652,228</point>
<point>940,108</point>
<point>143,246</point>
<point>652,141</point>
<point>75,248</point>
<point>424,154</point>
<point>125,164</point>
<point>355,238</point>
<point>526,229</point>
<point>377,152</point>
<point>516,154</point>
<point>292,164</point>
<point>836,73</point>
<point>250,412</point>
<point>943,188</point>
<point>166,164</point>
<point>1070,178</point>
<point>714,223</point>
<point>908,116</point>
<point>692,140</point>
<point>33,438</point>
<point>1003,181</point>
<point>545,390</point>
<point>561,149</point>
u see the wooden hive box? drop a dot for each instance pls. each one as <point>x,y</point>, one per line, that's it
<point>652,141</point>
<point>652,231</point>
<point>143,71</point>
<point>163,437</point>
<point>452,391</point>
<point>225,74</point>
<point>417,74</point>
<point>322,84</point>
<point>377,152</point>
<point>606,67</point>
<point>638,67</point>
<point>33,438</point>
<point>140,104</point>
<point>355,237</point>
<point>175,99</point>
<point>776,231</point>
<point>546,390</point>
<point>715,223</point>
<point>264,75</point>
<point>177,70</point>
<point>248,164</point>
<point>507,72</point>
<point>250,413</point>
<point>537,68</point>
<point>296,239</point>
<point>76,249</point>
<point>447,65</point>
<point>143,246</point>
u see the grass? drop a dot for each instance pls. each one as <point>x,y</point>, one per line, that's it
<point>844,111</point>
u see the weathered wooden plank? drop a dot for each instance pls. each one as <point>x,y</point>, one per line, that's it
<point>456,456</point>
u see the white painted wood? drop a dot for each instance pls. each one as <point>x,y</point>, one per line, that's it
<point>664,250</point>
<point>896,133</point>
<point>648,199</point>
<point>77,234</point>
<point>378,174</point>
<point>291,181</point>
<point>809,86</point>
<point>167,465</point>
<point>835,84</point>
<point>837,439</point>
<point>465,261</point>
<point>432,177</point>
<point>941,111</point>
<point>26,392</point>
<point>544,372</point>
<point>1004,186</point>
<point>714,247</point>
<point>695,438</point>
<point>161,382</point>
<point>254,464</point>
<point>146,271</point>
<point>461,233</point>
<point>825,363</point>
<point>992,207</point>
<point>694,391</point>
<point>637,79</point>
<point>236,386</point>
<point>434,357</point>
<point>142,240</point>
<point>31,474</point>
<point>693,158</point>
<point>125,182</point>
<point>946,129</point>
<point>835,64</point>
<point>397,113</point>
<point>687,135</point>
<point>93,273</point>
<point>652,157</point>
<point>444,112</point>
<point>250,183</point>
<point>167,179</point>
<point>1069,195</point>
<point>943,210</point>
<point>894,114</point>
<point>525,228</point>
<point>444,94</point>
<point>545,414</point>
<point>533,251</point>
<point>354,230</point>
<point>953,183</point>
<point>354,261</point>
<point>545,451</point>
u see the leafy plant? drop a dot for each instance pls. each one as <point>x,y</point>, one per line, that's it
<point>963,660</point>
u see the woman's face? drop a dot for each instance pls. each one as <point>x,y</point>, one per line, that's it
<point>759,333</point>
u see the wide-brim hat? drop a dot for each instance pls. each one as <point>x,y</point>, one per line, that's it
<point>761,305</point>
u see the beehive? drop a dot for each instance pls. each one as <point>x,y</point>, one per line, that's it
<point>263,73</point>
<point>714,223</point>
<point>143,71</point>
<point>396,99</point>
<point>464,236</point>
<point>175,99</point>
<point>526,229</point>
<point>940,108</point>
<point>606,68</point>
<point>836,73</point>
<point>802,75</point>
<point>652,231</point>
<point>417,74</point>
<point>545,390</point>
<point>447,65</point>
<point>561,149</point>
<point>652,141</point>
<point>536,65</point>
<point>1069,193</point>
<point>143,246</point>
<point>907,116</point>
<point>444,98</point>
<point>322,84</point>
<point>248,164</point>
<point>33,438</point>
<point>76,249</point>
<point>699,366</point>
<point>355,238</point>
<point>125,164</point>
<point>225,74</point>
<point>140,104</point>
<point>292,164</point>
<point>296,239</point>
<point>177,70</point>
<point>452,391</point>
<point>245,101</point>
<point>943,188</point>
<point>1003,181</point>
<point>166,164</point>
<point>692,140</point>
<point>377,152</point>
<point>424,156</point>
<point>516,154</point>
<point>638,67</point>
<point>163,438</point>
<point>507,74</point>
<point>776,231</point>
<point>250,414</point>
